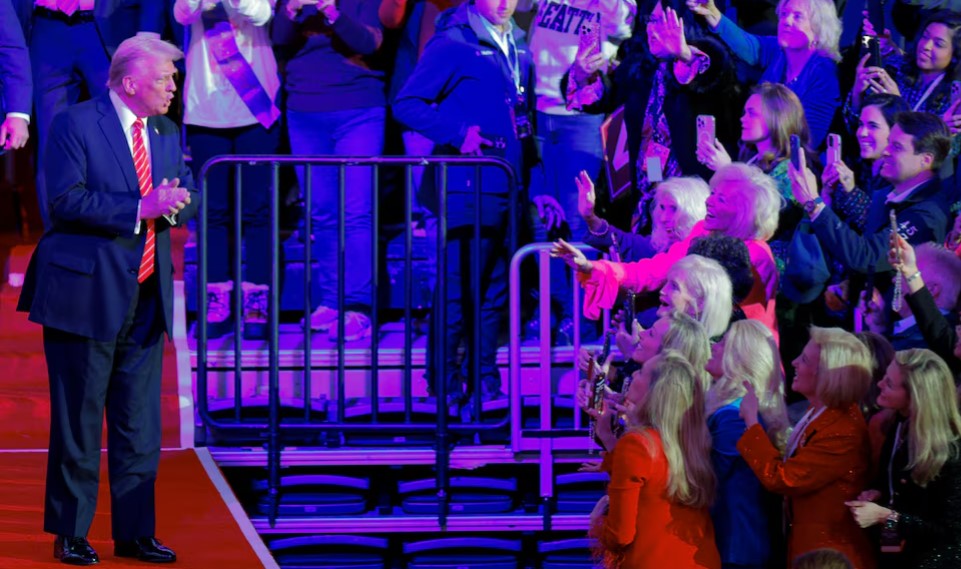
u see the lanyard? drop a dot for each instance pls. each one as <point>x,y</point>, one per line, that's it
<point>927,92</point>
<point>803,424</point>
<point>894,451</point>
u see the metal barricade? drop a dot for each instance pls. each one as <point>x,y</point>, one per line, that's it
<point>275,430</point>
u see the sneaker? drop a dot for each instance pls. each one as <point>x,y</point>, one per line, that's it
<point>255,310</point>
<point>322,319</point>
<point>356,327</point>
<point>218,309</point>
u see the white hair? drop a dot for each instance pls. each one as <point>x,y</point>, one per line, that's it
<point>690,193</point>
<point>825,24</point>
<point>710,286</point>
<point>758,218</point>
<point>134,50</point>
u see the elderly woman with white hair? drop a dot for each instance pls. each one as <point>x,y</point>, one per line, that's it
<point>679,203</point>
<point>744,203</point>
<point>803,55</point>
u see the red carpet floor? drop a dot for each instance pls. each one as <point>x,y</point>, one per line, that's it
<point>193,517</point>
<point>24,392</point>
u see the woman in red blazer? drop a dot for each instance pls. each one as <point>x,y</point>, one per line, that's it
<point>662,481</point>
<point>828,455</point>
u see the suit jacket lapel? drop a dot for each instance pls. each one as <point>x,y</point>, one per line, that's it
<point>155,153</point>
<point>113,132</point>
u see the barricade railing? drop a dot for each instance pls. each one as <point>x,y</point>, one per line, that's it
<point>545,438</point>
<point>275,430</point>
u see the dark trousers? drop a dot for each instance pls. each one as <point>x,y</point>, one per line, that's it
<point>123,377</point>
<point>68,60</point>
<point>205,143</point>
<point>491,283</point>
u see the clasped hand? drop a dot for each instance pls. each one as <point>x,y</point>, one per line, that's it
<point>168,198</point>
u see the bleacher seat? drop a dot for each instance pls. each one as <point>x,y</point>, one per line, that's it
<point>578,492</point>
<point>463,553</point>
<point>566,554</point>
<point>330,552</point>
<point>468,495</point>
<point>317,495</point>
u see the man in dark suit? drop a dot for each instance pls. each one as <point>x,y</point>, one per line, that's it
<point>100,282</point>
<point>71,42</point>
<point>16,85</point>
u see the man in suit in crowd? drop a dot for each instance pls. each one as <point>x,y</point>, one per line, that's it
<point>16,85</point>
<point>71,42</point>
<point>100,282</point>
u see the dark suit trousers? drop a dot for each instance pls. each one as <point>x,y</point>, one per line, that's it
<point>68,60</point>
<point>122,376</point>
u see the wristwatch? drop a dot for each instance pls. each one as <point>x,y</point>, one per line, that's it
<point>811,205</point>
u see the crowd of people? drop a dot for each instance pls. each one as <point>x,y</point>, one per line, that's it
<point>806,255</point>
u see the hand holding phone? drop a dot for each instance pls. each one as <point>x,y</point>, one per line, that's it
<point>706,130</point>
<point>834,149</point>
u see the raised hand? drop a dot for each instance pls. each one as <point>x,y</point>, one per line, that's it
<point>571,255</point>
<point>838,175</point>
<point>712,154</point>
<point>672,36</point>
<point>707,10</point>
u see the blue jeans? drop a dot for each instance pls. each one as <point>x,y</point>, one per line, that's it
<point>355,132</point>
<point>567,144</point>
<point>205,143</point>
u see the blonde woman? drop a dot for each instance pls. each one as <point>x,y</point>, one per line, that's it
<point>828,454</point>
<point>743,203</point>
<point>918,500</point>
<point>749,355</point>
<point>662,483</point>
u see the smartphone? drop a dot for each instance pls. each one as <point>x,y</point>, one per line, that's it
<point>590,39</point>
<point>873,47</point>
<point>706,129</point>
<point>796,151</point>
<point>834,149</point>
<point>955,91</point>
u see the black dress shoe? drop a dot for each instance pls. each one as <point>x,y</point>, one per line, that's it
<point>74,551</point>
<point>147,549</point>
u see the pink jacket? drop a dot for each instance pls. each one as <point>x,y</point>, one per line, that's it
<point>602,284</point>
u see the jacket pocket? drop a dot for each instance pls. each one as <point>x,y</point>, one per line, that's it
<point>82,265</point>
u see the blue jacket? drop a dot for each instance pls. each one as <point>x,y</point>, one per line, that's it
<point>16,81</point>
<point>921,218</point>
<point>817,85</point>
<point>463,79</point>
<point>740,513</point>
<point>83,274</point>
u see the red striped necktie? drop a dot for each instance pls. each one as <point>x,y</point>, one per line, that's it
<point>142,163</point>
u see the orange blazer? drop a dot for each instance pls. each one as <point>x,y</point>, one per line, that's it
<point>830,466</point>
<point>643,529</point>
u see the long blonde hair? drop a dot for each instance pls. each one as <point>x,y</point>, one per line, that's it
<point>688,337</point>
<point>934,423</point>
<point>844,367</point>
<point>751,354</point>
<point>674,407</point>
